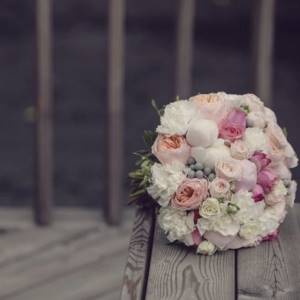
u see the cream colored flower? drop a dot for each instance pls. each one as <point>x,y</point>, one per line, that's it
<point>255,139</point>
<point>219,188</point>
<point>229,169</point>
<point>206,248</point>
<point>239,150</point>
<point>210,208</point>
<point>251,230</point>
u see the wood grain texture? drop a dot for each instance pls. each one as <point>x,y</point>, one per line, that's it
<point>136,269</point>
<point>178,273</point>
<point>262,48</point>
<point>44,126</point>
<point>272,270</point>
<point>115,110</point>
<point>185,30</point>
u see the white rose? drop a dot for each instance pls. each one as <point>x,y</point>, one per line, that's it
<point>176,224</point>
<point>255,139</point>
<point>248,209</point>
<point>165,181</point>
<point>229,169</point>
<point>206,248</point>
<point>209,156</point>
<point>176,118</point>
<point>239,150</point>
<point>251,230</point>
<point>256,119</point>
<point>210,208</point>
<point>277,194</point>
<point>219,188</point>
<point>291,195</point>
<point>202,133</point>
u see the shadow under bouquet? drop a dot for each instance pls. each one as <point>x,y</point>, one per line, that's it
<point>218,170</point>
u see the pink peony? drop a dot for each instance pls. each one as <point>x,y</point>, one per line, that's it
<point>266,178</point>
<point>196,236</point>
<point>190,194</point>
<point>261,160</point>
<point>233,126</point>
<point>258,193</point>
<point>169,149</point>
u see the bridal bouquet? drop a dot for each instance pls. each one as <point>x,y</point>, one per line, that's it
<point>218,170</point>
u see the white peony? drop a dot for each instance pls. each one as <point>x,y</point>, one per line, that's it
<point>202,133</point>
<point>210,208</point>
<point>165,181</point>
<point>255,139</point>
<point>176,224</point>
<point>256,119</point>
<point>209,156</point>
<point>248,209</point>
<point>176,118</point>
<point>291,196</point>
<point>206,248</point>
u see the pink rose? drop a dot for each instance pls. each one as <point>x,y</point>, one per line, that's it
<point>249,176</point>
<point>233,126</point>
<point>219,188</point>
<point>258,193</point>
<point>260,159</point>
<point>169,149</point>
<point>266,178</point>
<point>190,194</point>
<point>229,169</point>
<point>211,106</point>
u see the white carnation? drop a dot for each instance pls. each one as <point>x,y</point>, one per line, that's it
<point>175,223</point>
<point>165,181</point>
<point>176,117</point>
<point>255,139</point>
<point>248,208</point>
<point>251,230</point>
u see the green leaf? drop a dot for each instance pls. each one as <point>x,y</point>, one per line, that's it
<point>149,138</point>
<point>285,132</point>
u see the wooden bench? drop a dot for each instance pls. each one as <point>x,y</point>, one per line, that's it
<point>158,270</point>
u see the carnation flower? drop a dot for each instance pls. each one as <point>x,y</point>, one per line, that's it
<point>176,224</point>
<point>176,118</point>
<point>251,230</point>
<point>165,181</point>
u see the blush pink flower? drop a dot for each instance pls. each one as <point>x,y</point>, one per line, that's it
<point>272,236</point>
<point>233,126</point>
<point>196,236</point>
<point>190,194</point>
<point>266,178</point>
<point>169,149</point>
<point>258,193</point>
<point>261,160</point>
<point>249,176</point>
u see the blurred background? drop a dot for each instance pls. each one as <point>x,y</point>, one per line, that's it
<point>69,259</point>
<point>221,62</point>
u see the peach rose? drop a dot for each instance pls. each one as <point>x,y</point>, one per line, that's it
<point>219,188</point>
<point>229,169</point>
<point>190,194</point>
<point>211,106</point>
<point>169,149</point>
<point>239,150</point>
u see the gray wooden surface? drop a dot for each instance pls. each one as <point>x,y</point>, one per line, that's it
<point>79,257</point>
<point>269,271</point>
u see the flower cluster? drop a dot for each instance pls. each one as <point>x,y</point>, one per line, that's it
<point>222,175</point>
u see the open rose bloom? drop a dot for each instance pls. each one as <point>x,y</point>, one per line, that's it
<point>220,172</point>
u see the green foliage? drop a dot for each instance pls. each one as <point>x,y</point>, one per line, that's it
<point>232,208</point>
<point>160,111</point>
<point>149,138</point>
<point>285,132</point>
<point>245,108</point>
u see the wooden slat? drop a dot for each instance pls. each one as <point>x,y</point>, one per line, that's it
<point>262,48</point>
<point>136,269</point>
<point>185,26</point>
<point>44,146</point>
<point>178,273</point>
<point>115,110</point>
<point>271,271</point>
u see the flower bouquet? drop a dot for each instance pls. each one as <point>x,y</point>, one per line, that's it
<point>218,170</point>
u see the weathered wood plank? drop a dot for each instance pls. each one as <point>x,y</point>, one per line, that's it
<point>136,269</point>
<point>178,273</point>
<point>272,270</point>
<point>44,131</point>
<point>262,48</point>
<point>185,30</point>
<point>115,110</point>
